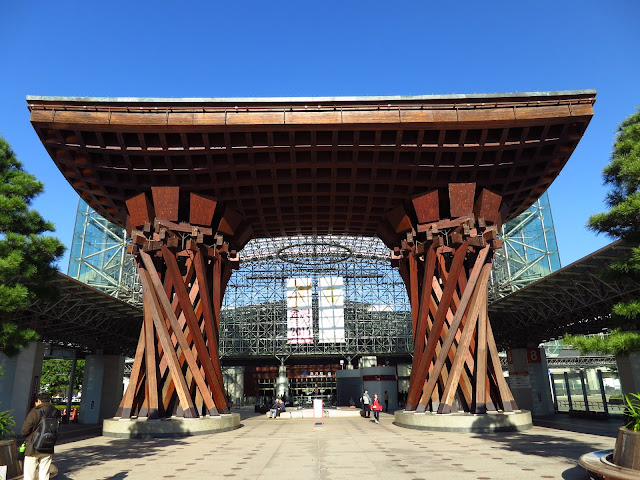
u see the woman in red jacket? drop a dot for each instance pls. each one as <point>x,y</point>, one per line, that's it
<point>376,407</point>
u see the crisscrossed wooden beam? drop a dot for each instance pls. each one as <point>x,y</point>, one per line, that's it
<point>177,369</point>
<point>445,263</point>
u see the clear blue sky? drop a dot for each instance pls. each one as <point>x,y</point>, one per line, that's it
<point>227,49</point>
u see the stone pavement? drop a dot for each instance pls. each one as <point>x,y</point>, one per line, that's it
<point>343,448</point>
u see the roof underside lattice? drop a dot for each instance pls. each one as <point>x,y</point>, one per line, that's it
<point>575,300</point>
<point>82,317</point>
<point>312,166</point>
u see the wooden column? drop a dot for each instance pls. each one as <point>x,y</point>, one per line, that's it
<point>183,267</point>
<point>445,253</point>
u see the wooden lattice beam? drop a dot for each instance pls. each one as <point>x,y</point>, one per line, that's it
<point>184,268</point>
<point>445,263</point>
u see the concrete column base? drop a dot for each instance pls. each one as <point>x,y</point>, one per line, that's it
<point>169,427</point>
<point>465,422</point>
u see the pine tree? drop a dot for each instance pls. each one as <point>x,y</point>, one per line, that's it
<point>27,255</point>
<point>622,220</point>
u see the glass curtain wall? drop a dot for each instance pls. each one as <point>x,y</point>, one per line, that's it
<point>99,257</point>
<point>529,252</point>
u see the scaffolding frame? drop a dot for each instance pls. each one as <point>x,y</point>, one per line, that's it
<point>376,308</point>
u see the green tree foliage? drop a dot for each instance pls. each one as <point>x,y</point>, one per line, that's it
<point>617,343</point>
<point>632,412</point>
<point>622,220</point>
<point>56,375</point>
<point>12,338</point>
<point>27,255</point>
<point>6,424</point>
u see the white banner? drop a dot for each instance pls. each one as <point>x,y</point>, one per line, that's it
<point>299,320</point>
<point>331,314</point>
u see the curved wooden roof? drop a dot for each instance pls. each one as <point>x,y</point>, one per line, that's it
<point>312,166</point>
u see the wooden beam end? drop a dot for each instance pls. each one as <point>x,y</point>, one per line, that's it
<point>481,408</point>
<point>191,413</point>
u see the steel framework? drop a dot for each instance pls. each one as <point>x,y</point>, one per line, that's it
<point>529,251</point>
<point>570,362</point>
<point>99,257</point>
<point>575,299</point>
<point>81,318</point>
<point>584,362</point>
<point>377,312</point>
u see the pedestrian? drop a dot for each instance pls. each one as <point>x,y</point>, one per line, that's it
<point>366,404</point>
<point>376,407</point>
<point>273,412</point>
<point>276,409</point>
<point>40,459</point>
<point>386,401</point>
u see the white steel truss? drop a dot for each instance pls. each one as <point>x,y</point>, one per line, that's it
<point>529,251</point>
<point>99,257</point>
<point>377,316</point>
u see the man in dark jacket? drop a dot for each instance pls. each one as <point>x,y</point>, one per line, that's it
<point>366,404</point>
<point>276,409</point>
<point>32,458</point>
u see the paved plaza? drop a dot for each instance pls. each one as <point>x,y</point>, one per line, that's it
<point>343,448</point>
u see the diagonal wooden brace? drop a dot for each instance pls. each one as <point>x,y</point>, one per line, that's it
<point>163,336</point>
<point>166,309</point>
<point>464,302</point>
<point>421,360</point>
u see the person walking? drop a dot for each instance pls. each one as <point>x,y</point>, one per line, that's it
<point>386,401</point>
<point>34,458</point>
<point>366,404</point>
<point>376,407</point>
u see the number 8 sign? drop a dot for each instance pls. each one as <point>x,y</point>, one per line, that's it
<point>533,355</point>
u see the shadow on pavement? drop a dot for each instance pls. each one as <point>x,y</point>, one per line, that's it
<point>576,473</point>
<point>544,446</point>
<point>117,476</point>
<point>606,427</point>
<point>116,449</point>
<point>75,432</point>
<point>92,455</point>
<point>248,412</point>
